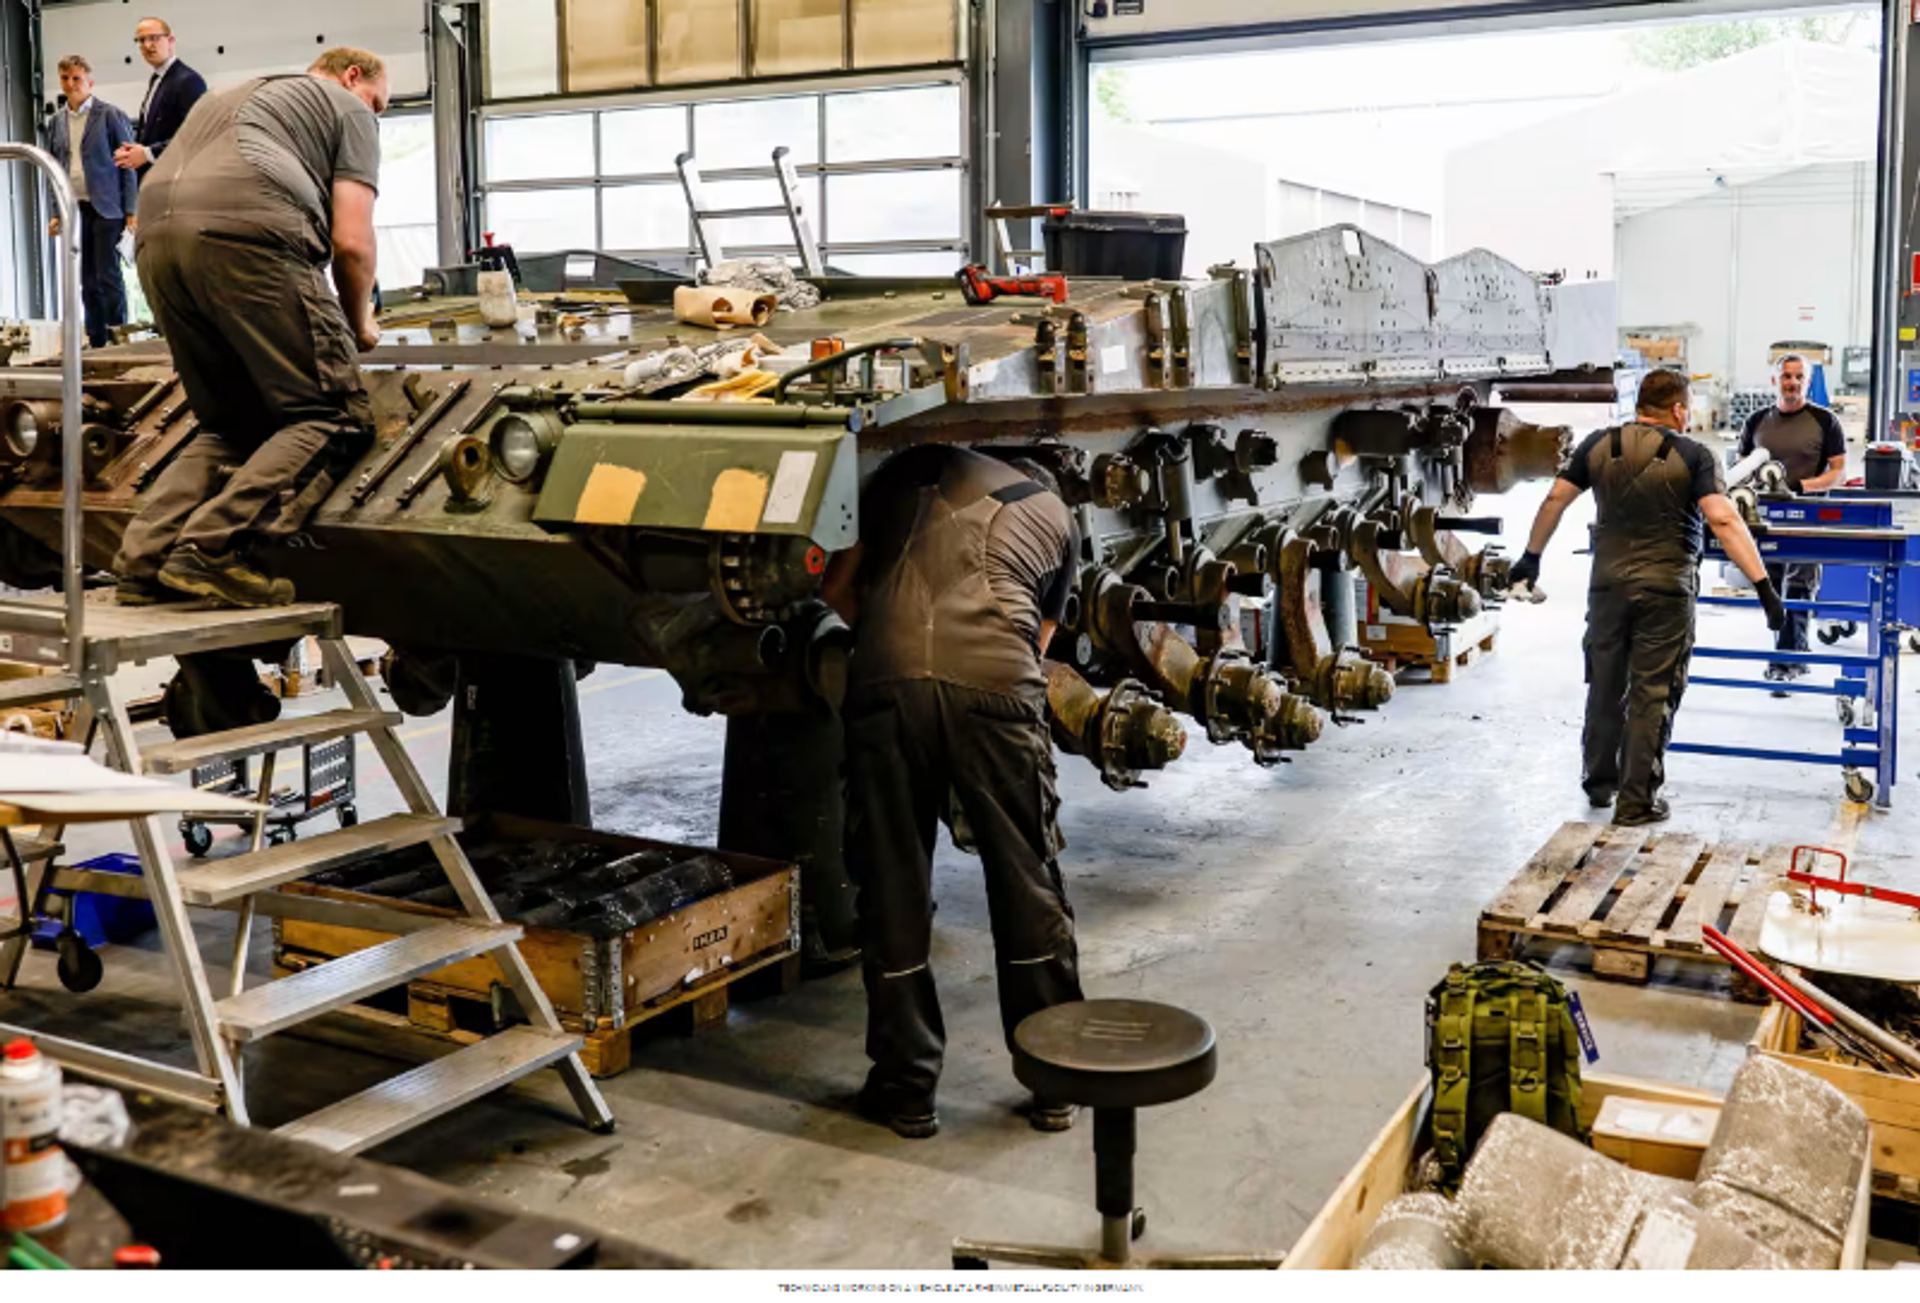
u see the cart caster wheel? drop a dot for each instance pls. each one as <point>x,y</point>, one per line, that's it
<point>280,836</point>
<point>1913,642</point>
<point>78,967</point>
<point>1859,789</point>
<point>348,816</point>
<point>969,1264</point>
<point>198,837</point>
<point>1831,635</point>
<point>1844,708</point>
<point>1139,1222</point>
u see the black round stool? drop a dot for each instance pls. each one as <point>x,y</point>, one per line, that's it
<point>1115,1057</point>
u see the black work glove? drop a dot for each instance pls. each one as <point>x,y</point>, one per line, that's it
<point>1525,571</point>
<point>1770,602</point>
<point>1794,487</point>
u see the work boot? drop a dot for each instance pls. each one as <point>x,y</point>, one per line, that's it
<point>1600,796</point>
<point>1655,813</point>
<point>144,592</point>
<point>1778,674</point>
<point>1048,1117</point>
<point>224,579</point>
<point>908,1124</point>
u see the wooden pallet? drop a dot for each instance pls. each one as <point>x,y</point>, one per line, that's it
<point>1401,645</point>
<point>1633,896</point>
<point>459,1017</point>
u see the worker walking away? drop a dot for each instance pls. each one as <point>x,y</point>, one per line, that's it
<point>1806,439</point>
<point>85,132</point>
<point>962,575</point>
<point>1654,486</point>
<point>172,90</point>
<point>264,186</point>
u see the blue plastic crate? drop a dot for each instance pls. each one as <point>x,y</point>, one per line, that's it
<point>103,920</point>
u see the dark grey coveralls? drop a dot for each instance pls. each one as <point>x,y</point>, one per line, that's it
<point>238,286</point>
<point>947,699</point>
<point>1648,483</point>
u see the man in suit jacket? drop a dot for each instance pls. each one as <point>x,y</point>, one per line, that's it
<point>85,133</point>
<point>172,91</point>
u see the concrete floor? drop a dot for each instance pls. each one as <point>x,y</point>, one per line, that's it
<point>1305,911</point>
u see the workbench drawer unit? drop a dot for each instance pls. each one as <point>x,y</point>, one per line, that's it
<point>602,986</point>
<point>1891,1103</point>
<point>1334,1237</point>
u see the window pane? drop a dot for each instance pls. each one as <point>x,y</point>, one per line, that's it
<point>405,254</point>
<point>699,40</point>
<point>408,181</point>
<point>744,133</point>
<point>534,149</point>
<point>871,126</point>
<point>894,206</point>
<point>894,33</point>
<point>523,48</point>
<point>542,221</point>
<point>774,232</point>
<point>647,217</point>
<point>606,44</point>
<point>896,264</point>
<point>635,142</point>
<point>798,36</point>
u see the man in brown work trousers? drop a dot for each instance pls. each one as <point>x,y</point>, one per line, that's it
<point>263,187</point>
<point>962,575</point>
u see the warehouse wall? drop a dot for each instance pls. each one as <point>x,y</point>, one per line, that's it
<point>1184,17</point>
<point>229,43</point>
<point>1785,258</point>
<point>1227,199</point>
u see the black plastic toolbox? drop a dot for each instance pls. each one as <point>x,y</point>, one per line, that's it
<point>1133,246</point>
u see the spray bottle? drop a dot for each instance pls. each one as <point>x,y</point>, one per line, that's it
<point>33,1171</point>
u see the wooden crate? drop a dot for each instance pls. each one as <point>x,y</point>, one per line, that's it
<point>1401,644</point>
<point>1335,1235</point>
<point>1632,896</point>
<point>604,988</point>
<point>1891,1103</point>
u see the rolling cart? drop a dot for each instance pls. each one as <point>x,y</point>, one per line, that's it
<point>328,787</point>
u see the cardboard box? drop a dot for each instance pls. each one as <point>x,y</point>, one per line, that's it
<point>1667,1139</point>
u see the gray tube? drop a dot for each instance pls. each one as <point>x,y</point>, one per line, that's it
<point>1857,1023</point>
<point>1339,608</point>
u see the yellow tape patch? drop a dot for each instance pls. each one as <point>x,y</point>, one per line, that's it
<point>610,496</point>
<point>739,496</point>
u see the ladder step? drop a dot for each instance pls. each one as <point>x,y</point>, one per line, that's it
<point>439,1087</point>
<point>191,753</point>
<point>242,875</point>
<point>32,848</point>
<point>277,1006</point>
<point>39,688</point>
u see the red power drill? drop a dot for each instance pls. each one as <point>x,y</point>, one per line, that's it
<point>982,287</point>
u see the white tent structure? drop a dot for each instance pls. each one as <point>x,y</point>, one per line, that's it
<point>1735,198</point>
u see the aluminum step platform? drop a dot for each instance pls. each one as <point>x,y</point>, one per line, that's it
<point>189,754</point>
<point>220,881</point>
<point>279,1005</point>
<point>406,1101</point>
<point>118,635</point>
<point>37,690</point>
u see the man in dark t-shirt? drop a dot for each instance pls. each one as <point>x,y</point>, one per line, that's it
<point>1807,440</point>
<point>1658,492</point>
<point>961,577</point>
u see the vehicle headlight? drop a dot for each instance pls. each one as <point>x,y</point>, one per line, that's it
<point>23,432</point>
<point>522,442</point>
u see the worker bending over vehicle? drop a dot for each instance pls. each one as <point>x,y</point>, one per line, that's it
<point>1654,487</point>
<point>263,187</point>
<point>1806,439</point>
<point>961,577</point>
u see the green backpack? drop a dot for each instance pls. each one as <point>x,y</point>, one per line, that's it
<point>1500,1039</point>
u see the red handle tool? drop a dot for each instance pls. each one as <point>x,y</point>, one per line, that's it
<point>1734,954</point>
<point>982,287</point>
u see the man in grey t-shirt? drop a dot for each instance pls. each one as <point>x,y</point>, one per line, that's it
<point>1807,440</point>
<point>264,188</point>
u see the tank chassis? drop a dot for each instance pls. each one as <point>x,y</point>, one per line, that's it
<point>1233,449</point>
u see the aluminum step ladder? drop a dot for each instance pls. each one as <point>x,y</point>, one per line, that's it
<point>87,642</point>
<point>789,207</point>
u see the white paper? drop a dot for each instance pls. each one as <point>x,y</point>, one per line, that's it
<point>1640,1121</point>
<point>29,775</point>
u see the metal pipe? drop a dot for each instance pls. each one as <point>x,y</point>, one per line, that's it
<point>646,413</point>
<point>1734,954</point>
<point>1747,467</point>
<point>1856,1022</point>
<point>446,56</point>
<point>1887,242</point>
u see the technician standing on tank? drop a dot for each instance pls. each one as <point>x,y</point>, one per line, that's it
<point>1806,439</point>
<point>265,186</point>
<point>962,575</point>
<point>1655,488</point>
